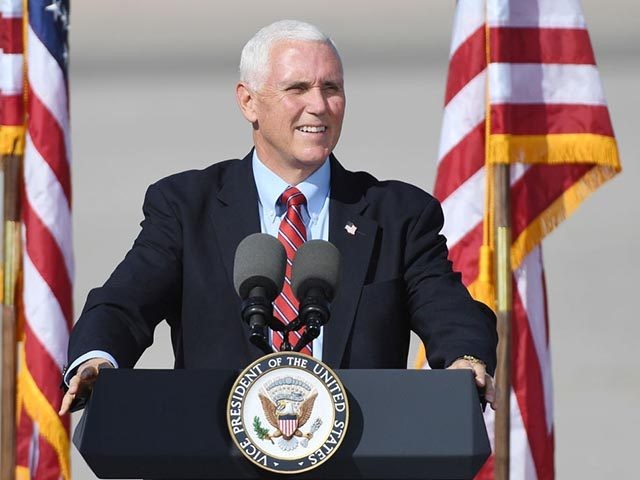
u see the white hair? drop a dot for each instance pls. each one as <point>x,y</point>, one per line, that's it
<point>254,60</point>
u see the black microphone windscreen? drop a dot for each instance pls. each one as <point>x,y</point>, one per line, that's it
<point>316,265</point>
<point>260,262</point>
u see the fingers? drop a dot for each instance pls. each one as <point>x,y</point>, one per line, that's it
<point>67,400</point>
<point>478,368</point>
<point>490,392</point>
<point>82,382</point>
<point>482,378</point>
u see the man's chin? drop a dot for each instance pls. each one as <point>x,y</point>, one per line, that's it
<point>313,158</point>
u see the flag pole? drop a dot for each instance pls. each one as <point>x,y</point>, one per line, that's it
<point>11,248</point>
<point>504,300</point>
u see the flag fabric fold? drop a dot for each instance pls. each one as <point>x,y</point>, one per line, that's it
<point>523,89</point>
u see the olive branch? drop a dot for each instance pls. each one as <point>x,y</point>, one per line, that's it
<point>261,432</point>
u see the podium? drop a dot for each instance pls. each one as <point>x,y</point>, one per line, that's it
<point>171,424</point>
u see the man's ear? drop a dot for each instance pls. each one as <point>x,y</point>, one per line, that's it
<point>246,101</point>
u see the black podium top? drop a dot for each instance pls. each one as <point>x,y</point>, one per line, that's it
<point>171,424</point>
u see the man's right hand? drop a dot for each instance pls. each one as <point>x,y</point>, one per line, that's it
<point>82,382</point>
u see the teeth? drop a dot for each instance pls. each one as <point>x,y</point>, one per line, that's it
<point>309,129</point>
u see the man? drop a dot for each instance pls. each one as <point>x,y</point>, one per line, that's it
<point>396,276</point>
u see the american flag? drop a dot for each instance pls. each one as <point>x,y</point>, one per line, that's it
<point>11,78</point>
<point>47,264</point>
<point>528,64</point>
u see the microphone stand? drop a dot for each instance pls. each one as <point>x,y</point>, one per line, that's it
<point>257,311</point>
<point>314,313</point>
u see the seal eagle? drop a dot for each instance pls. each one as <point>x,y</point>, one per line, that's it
<point>286,418</point>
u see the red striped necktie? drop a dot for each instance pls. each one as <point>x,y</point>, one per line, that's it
<point>292,233</point>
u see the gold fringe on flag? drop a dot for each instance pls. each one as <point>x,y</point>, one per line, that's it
<point>42,412</point>
<point>601,151</point>
<point>483,289</point>
<point>12,139</point>
<point>22,473</point>
<point>558,211</point>
<point>554,148</point>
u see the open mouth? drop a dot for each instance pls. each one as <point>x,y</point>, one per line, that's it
<point>312,129</point>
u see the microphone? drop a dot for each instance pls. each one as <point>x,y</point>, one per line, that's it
<point>258,275</point>
<point>315,276</point>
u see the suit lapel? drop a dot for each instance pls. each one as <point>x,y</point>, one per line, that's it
<point>234,211</point>
<point>355,246</point>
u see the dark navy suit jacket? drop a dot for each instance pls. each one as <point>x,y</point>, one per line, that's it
<point>396,277</point>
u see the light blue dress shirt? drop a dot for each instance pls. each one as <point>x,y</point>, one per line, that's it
<point>270,187</point>
<point>315,216</point>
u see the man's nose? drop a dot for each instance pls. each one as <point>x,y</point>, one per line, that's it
<point>316,101</point>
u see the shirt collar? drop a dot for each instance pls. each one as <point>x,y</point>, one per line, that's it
<point>270,186</point>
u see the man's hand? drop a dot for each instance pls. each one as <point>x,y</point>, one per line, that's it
<point>483,379</point>
<point>82,382</point>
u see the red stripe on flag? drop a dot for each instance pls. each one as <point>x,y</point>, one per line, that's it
<point>462,161</point>
<point>11,110</point>
<point>540,45</point>
<point>465,254</point>
<point>11,35</point>
<point>49,140</point>
<point>466,63</point>
<point>541,119</point>
<point>48,463</point>
<point>529,389</point>
<point>540,186</point>
<point>48,259</point>
<point>23,439</point>
<point>486,472</point>
<point>45,372</point>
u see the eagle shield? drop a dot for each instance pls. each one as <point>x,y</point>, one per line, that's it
<point>288,424</point>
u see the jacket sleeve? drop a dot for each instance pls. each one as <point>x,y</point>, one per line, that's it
<point>145,288</point>
<point>443,313</point>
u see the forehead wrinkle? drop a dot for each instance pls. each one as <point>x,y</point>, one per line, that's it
<point>286,60</point>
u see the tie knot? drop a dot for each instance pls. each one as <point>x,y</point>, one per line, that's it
<point>292,196</point>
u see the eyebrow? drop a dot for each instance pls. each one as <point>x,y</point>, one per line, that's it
<point>305,85</point>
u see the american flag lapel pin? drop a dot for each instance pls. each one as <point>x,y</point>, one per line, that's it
<point>350,228</point>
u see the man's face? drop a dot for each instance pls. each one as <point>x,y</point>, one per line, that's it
<point>298,110</point>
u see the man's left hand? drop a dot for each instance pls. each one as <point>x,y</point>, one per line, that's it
<point>483,379</point>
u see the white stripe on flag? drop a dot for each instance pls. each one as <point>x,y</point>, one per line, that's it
<point>43,314</point>
<point>535,13</point>
<point>531,290</point>
<point>463,209</point>
<point>47,82</point>
<point>545,83</point>
<point>11,81</point>
<point>11,8</point>
<point>465,24</point>
<point>521,466</point>
<point>462,114</point>
<point>47,199</point>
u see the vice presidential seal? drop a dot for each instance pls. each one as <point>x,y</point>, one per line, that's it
<point>287,412</point>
